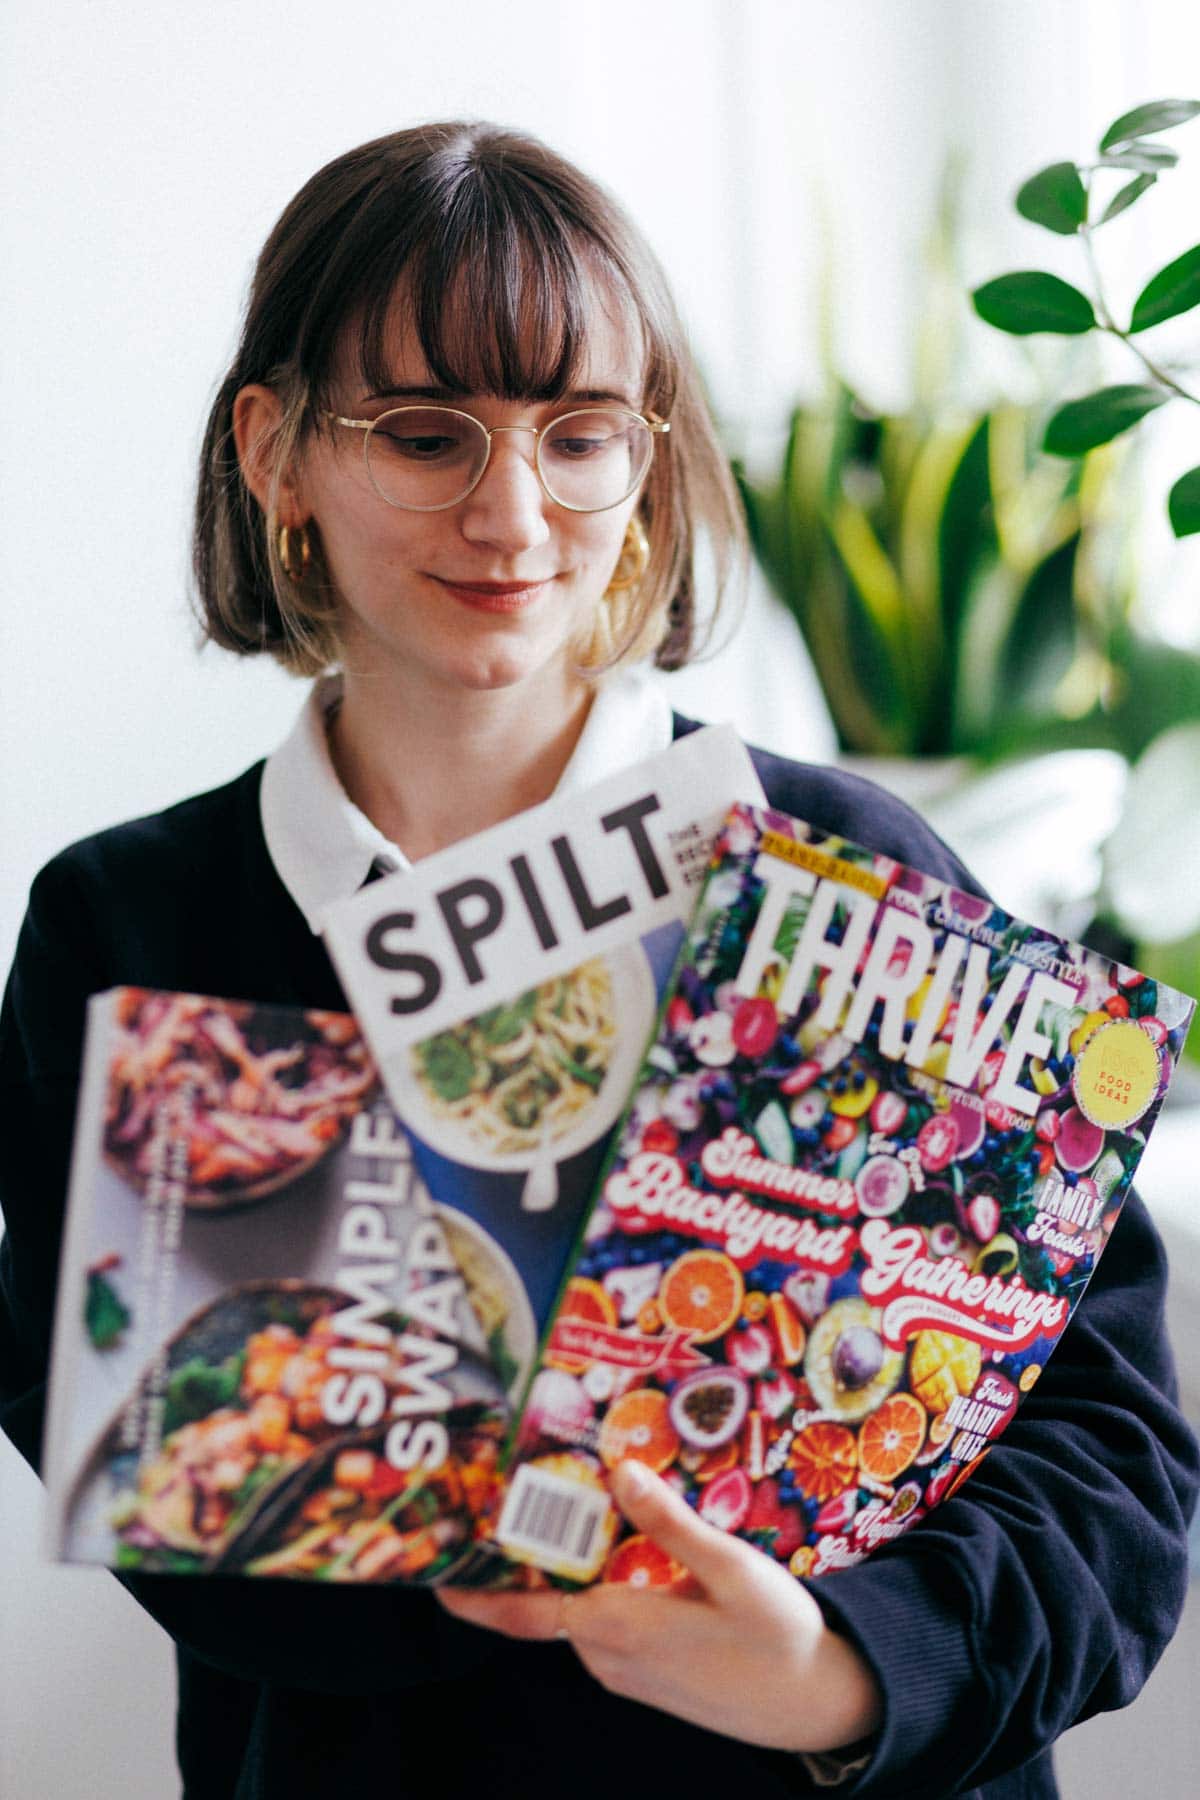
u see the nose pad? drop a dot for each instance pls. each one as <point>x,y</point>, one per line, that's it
<point>509,505</point>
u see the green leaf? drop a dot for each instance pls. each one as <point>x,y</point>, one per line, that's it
<point>1173,290</point>
<point>447,1065</point>
<point>1125,197</point>
<point>504,1024</point>
<point>1148,157</point>
<point>1154,115</point>
<point>1183,504</point>
<point>1098,418</point>
<point>1054,197</point>
<point>1030,300</point>
<point>199,1388</point>
<point>1042,639</point>
<point>503,1361</point>
<point>966,531</point>
<point>105,1313</point>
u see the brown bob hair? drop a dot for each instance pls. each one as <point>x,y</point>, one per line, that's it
<point>478,231</point>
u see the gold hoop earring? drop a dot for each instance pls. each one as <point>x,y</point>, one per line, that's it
<point>611,636</point>
<point>294,558</point>
<point>632,562</point>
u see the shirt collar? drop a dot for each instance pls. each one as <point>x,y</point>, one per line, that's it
<point>323,847</point>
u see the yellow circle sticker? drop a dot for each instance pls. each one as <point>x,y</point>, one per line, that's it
<point>1116,1074</point>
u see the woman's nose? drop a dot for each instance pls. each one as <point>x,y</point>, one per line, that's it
<point>508,508</point>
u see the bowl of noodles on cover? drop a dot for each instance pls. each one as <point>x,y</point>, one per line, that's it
<point>230,1100</point>
<point>543,1075</point>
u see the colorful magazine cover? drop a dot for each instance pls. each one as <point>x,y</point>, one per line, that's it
<point>508,987</point>
<point>267,1361</point>
<point>876,1151</point>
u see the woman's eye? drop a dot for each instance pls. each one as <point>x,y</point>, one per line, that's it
<point>574,449</point>
<point>419,449</point>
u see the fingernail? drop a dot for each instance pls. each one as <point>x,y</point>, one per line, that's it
<point>634,1479</point>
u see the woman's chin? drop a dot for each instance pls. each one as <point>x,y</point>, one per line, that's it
<point>497,668</point>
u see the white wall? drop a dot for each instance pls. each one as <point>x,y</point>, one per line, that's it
<point>144,152</point>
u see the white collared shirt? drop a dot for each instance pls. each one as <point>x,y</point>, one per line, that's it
<point>324,847</point>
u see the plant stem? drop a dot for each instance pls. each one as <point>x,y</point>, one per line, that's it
<point>1109,324</point>
<point>1151,368</point>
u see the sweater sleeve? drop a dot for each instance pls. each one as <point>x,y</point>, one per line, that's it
<point>346,1641</point>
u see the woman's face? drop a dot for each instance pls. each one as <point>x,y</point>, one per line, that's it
<point>494,592</point>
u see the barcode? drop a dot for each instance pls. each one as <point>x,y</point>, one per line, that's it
<point>555,1522</point>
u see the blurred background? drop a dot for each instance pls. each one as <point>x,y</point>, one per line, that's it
<point>1007,637</point>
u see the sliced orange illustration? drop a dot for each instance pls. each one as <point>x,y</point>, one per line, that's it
<point>701,1293</point>
<point>790,1334</point>
<point>716,1462</point>
<point>638,1425</point>
<point>890,1438</point>
<point>588,1301</point>
<point>640,1563</point>
<point>825,1458</point>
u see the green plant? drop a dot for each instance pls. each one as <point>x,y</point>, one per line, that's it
<point>957,590</point>
<point>1065,198</point>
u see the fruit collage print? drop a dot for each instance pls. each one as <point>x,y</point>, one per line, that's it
<point>876,1151</point>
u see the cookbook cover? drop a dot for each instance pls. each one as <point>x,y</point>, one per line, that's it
<point>508,987</point>
<point>874,1156</point>
<point>266,1358</point>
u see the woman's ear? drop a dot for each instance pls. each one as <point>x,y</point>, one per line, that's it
<point>257,415</point>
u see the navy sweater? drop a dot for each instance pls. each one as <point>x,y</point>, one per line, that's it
<point>1042,1593</point>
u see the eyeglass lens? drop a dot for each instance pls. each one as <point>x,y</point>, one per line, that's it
<point>427,457</point>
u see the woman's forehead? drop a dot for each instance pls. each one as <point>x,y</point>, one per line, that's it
<point>468,347</point>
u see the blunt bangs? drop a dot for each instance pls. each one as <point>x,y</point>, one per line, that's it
<point>497,285</point>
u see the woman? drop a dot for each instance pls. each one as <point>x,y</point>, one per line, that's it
<point>462,458</point>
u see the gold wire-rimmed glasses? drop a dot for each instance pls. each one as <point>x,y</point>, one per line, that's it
<point>428,458</point>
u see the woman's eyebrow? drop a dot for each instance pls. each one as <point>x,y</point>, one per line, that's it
<point>418,391</point>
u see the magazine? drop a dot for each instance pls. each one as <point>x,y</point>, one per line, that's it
<point>875,1154</point>
<point>266,1358</point>
<point>508,987</point>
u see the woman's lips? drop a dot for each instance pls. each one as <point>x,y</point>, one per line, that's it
<point>495,596</point>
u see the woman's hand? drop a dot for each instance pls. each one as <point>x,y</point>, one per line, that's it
<point>744,1650</point>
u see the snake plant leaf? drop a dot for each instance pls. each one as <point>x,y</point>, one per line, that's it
<point>1030,300</point>
<point>843,440</point>
<point>1056,198</point>
<point>1042,640</point>
<point>932,594</point>
<point>854,677</point>
<point>1183,504</point>
<point>1125,197</point>
<point>1097,418</point>
<point>1154,115</point>
<point>966,531</point>
<point>766,523</point>
<point>988,602</point>
<point>875,619</point>
<point>1174,290</point>
<point>1149,158</point>
<point>870,568</point>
